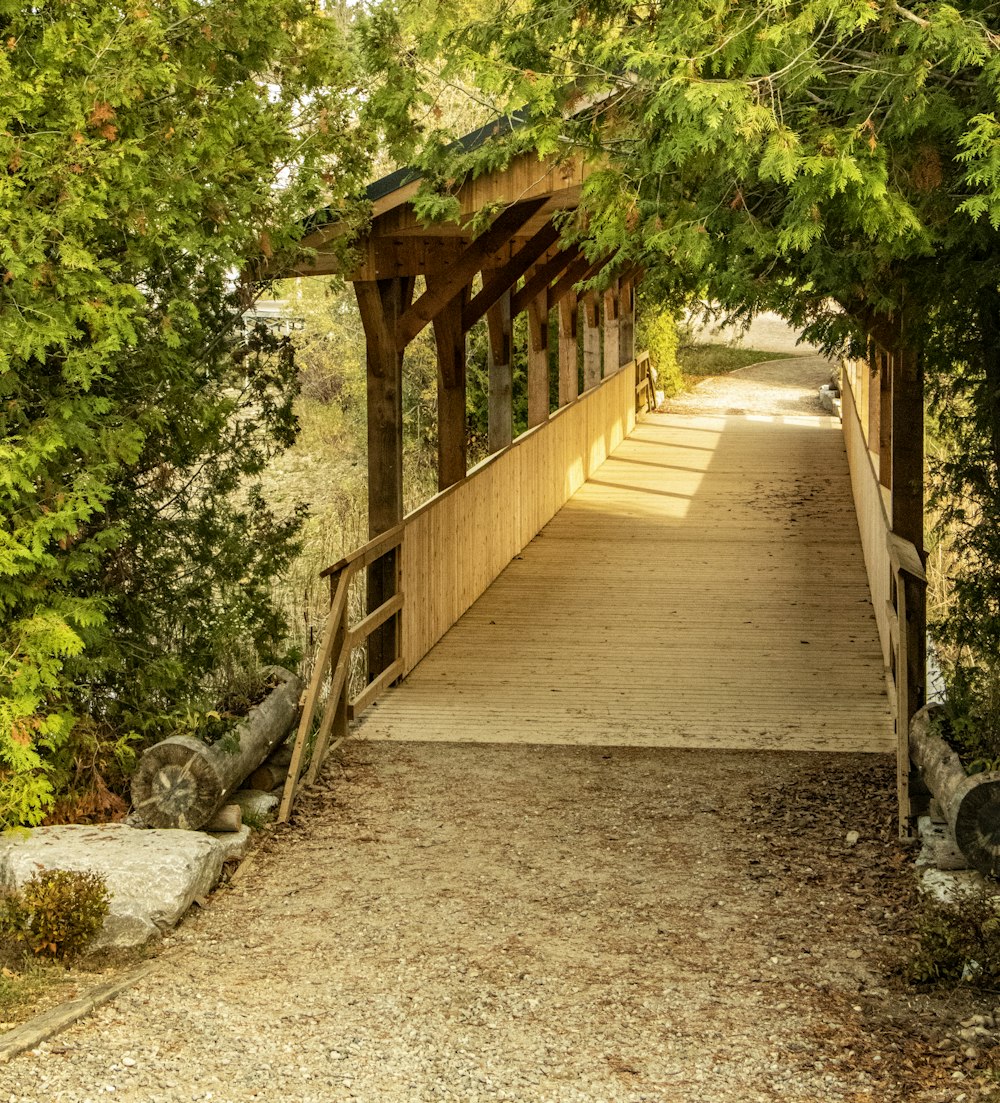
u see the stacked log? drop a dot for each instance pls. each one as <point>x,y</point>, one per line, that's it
<point>181,782</point>
<point>970,804</point>
<point>272,773</point>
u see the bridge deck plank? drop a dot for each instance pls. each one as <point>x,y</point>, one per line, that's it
<point>705,589</point>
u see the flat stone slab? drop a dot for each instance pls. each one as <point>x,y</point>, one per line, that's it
<point>153,876</point>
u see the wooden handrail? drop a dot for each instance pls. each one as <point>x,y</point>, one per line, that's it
<point>904,556</point>
<point>340,640</point>
<point>368,553</point>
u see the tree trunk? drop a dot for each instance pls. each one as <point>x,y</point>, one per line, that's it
<point>971,805</point>
<point>181,781</point>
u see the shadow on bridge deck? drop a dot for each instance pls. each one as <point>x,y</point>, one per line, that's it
<point>705,589</point>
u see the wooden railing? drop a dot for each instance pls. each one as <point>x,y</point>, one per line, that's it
<point>907,660</point>
<point>895,578</point>
<point>340,641</point>
<point>449,551</point>
<point>645,387</point>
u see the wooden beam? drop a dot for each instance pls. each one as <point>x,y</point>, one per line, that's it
<point>579,271</point>
<point>626,322</point>
<point>541,276</point>
<point>885,417</point>
<point>382,304</point>
<point>538,360</point>
<point>907,446</point>
<point>500,361</point>
<point>611,349</point>
<point>591,340</point>
<point>459,275</point>
<point>500,280</point>
<point>569,372</point>
<point>907,518</point>
<point>451,359</point>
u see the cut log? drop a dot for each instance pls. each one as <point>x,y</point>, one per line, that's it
<point>267,777</point>
<point>971,805</point>
<point>180,782</point>
<point>272,772</point>
<point>228,818</point>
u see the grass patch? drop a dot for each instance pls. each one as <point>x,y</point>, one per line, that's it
<point>700,361</point>
<point>28,989</point>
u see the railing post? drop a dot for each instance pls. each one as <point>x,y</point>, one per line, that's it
<point>591,341</point>
<point>612,352</point>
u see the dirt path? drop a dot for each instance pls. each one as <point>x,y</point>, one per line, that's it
<point>544,924</point>
<point>540,924</point>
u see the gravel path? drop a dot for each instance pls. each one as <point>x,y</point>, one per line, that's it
<point>536,924</point>
<point>545,924</point>
<point>781,388</point>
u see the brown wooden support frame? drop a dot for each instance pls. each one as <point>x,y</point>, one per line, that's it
<point>538,359</point>
<point>382,304</point>
<point>626,321</point>
<point>612,351</point>
<point>459,274</point>
<point>499,281</point>
<point>451,361</point>
<point>501,375</point>
<point>537,281</point>
<point>569,372</point>
<point>591,340</point>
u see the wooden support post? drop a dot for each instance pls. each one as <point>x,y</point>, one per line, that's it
<point>908,523</point>
<point>885,418</point>
<point>382,303</point>
<point>612,361</point>
<point>626,323</point>
<point>500,362</point>
<point>538,360</point>
<point>569,375</point>
<point>908,471</point>
<point>450,339</point>
<point>591,341</point>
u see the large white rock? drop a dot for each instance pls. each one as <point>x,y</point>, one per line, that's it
<point>152,876</point>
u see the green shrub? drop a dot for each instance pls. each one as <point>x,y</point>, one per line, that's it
<point>958,943</point>
<point>658,334</point>
<point>56,913</point>
<point>162,153</point>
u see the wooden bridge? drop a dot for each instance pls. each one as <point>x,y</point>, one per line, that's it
<point>729,579</point>
<point>704,588</point>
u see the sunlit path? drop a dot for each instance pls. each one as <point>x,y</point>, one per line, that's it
<point>704,589</point>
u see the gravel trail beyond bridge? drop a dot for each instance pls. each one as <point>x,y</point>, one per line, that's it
<point>545,924</point>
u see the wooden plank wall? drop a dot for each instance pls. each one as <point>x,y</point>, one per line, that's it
<point>458,543</point>
<point>869,499</point>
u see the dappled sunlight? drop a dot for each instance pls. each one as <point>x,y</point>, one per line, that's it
<point>695,546</point>
<point>806,421</point>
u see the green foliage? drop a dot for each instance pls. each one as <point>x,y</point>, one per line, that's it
<point>836,162</point>
<point>152,154</point>
<point>957,942</point>
<point>56,913</point>
<point>970,718</point>
<point>657,332</point>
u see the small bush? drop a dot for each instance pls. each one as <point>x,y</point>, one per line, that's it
<point>56,913</point>
<point>970,722</point>
<point>958,943</point>
<point>658,333</point>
